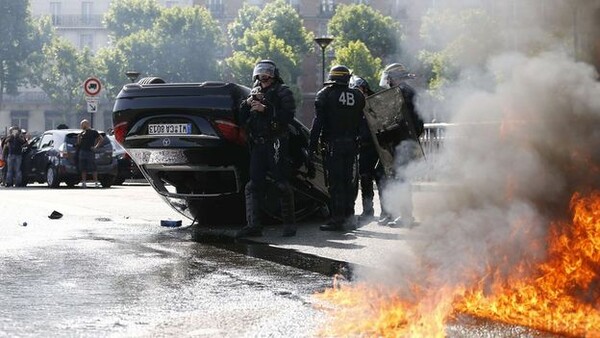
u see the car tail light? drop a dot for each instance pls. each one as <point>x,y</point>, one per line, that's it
<point>231,131</point>
<point>120,130</point>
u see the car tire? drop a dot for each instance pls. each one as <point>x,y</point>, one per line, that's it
<point>52,177</point>
<point>106,181</point>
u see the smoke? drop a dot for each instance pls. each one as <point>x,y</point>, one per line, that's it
<point>524,138</point>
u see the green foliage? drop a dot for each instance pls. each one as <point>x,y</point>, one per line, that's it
<point>284,22</point>
<point>262,45</point>
<point>183,45</point>
<point>60,71</point>
<point>126,17</point>
<point>358,58</point>
<point>381,34</point>
<point>15,44</point>
<point>275,33</point>
<point>457,40</point>
<point>245,17</point>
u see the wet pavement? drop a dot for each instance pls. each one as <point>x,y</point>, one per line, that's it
<point>107,268</point>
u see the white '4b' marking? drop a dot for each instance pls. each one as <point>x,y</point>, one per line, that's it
<point>347,98</point>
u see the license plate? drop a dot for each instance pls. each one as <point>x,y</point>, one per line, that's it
<point>170,128</point>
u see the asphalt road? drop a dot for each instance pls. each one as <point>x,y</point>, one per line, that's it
<point>107,268</point>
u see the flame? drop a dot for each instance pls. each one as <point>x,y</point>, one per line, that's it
<point>559,295</point>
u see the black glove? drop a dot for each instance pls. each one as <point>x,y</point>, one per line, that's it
<point>310,165</point>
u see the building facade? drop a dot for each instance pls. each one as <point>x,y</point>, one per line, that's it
<point>80,21</point>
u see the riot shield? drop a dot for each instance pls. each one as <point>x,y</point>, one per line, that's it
<point>384,113</point>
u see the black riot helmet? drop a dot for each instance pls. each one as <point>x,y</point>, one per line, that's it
<point>265,67</point>
<point>393,74</point>
<point>361,84</point>
<point>339,74</point>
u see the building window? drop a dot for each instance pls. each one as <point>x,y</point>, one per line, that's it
<point>55,13</point>
<point>366,2</point>
<point>52,119</point>
<point>216,7</point>
<point>170,4</point>
<point>86,40</point>
<point>327,7</point>
<point>86,12</point>
<point>19,118</point>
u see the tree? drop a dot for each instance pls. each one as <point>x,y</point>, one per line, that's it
<point>60,71</point>
<point>126,17</point>
<point>284,22</point>
<point>264,45</point>
<point>15,44</point>
<point>246,16</point>
<point>457,40</point>
<point>379,33</point>
<point>279,27</point>
<point>183,45</point>
<point>358,58</point>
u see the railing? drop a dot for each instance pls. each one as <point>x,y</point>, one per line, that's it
<point>77,21</point>
<point>433,137</point>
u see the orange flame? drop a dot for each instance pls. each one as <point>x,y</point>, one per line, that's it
<point>560,295</point>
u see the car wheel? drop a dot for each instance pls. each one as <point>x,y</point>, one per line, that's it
<point>106,181</point>
<point>52,177</point>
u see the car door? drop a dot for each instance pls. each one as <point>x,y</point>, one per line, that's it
<point>27,165</point>
<point>39,158</point>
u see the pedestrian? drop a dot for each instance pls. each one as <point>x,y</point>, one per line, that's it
<point>87,142</point>
<point>403,143</point>
<point>13,146</point>
<point>367,156</point>
<point>265,116</point>
<point>338,111</point>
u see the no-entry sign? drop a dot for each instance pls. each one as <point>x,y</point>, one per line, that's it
<point>92,86</point>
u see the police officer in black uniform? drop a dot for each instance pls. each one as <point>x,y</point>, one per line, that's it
<point>368,157</point>
<point>266,115</point>
<point>403,142</point>
<point>338,111</point>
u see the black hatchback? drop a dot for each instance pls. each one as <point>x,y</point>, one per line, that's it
<point>185,139</point>
<point>51,158</point>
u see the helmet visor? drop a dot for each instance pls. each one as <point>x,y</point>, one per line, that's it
<point>384,81</point>
<point>263,69</point>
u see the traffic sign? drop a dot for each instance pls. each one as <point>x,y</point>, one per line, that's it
<point>92,104</point>
<point>92,86</point>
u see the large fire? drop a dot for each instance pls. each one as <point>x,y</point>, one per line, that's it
<point>559,295</point>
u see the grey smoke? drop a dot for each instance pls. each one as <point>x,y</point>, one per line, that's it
<point>526,138</point>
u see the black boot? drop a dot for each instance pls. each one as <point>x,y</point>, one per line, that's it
<point>287,210</point>
<point>253,227</point>
<point>368,211</point>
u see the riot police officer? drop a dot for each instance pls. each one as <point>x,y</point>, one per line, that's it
<point>367,157</point>
<point>403,141</point>
<point>266,115</point>
<point>338,110</point>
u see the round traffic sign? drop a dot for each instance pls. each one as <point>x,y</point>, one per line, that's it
<point>92,86</point>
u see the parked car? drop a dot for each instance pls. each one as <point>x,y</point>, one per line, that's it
<point>51,158</point>
<point>126,167</point>
<point>185,139</point>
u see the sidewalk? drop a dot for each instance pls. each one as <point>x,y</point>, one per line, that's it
<point>370,245</point>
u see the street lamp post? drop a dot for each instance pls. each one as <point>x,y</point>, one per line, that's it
<point>323,42</point>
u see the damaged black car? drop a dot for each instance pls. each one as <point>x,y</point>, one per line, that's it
<point>185,140</point>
